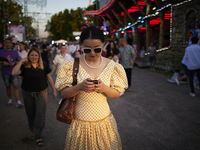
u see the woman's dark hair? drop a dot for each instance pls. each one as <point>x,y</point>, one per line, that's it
<point>115,51</point>
<point>108,54</point>
<point>44,46</point>
<point>91,32</point>
<point>25,46</point>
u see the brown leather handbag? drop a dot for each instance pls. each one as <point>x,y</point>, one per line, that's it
<point>65,112</point>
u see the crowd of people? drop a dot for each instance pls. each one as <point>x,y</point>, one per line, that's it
<point>108,62</point>
<point>34,68</point>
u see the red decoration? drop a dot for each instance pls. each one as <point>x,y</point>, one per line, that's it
<point>83,28</point>
<point>87,23</point>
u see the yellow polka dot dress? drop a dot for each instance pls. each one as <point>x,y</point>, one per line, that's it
<point>95,127</point>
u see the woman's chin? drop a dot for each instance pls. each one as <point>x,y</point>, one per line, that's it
<point>33,62</point>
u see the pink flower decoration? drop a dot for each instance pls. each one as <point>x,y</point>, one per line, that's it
<point>83,28</point>
<point>87,23</point>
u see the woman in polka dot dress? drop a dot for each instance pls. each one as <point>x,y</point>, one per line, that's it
<point>94,126</point>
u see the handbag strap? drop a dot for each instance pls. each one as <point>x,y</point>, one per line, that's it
<point>75,70</point>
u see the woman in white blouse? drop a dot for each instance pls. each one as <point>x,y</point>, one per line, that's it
<point>23,50</point>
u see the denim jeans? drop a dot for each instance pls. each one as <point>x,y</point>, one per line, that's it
<point>10,79</point>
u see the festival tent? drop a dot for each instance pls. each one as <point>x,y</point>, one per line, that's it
<point>61,41</point>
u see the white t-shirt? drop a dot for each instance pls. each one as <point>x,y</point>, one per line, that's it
<point>68,49</point>
<point>23,54</point>
<point>72,48</point>
<point>142,53</point>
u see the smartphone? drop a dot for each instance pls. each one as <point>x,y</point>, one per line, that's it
<point>94,81</point>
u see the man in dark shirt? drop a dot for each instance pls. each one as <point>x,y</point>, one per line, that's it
<point>13,57</point>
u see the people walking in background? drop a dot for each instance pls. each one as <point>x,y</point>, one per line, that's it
<point>152,56</point>
<point>68,47</point>
<point>192,57</point>
<point>16,46</point>
<point>44,54</point>
<point>73,48</point>
<point>23,50</point>
<point>34,86</point>
<point>127,57</point>
<point>107,48</point>
<point>49,52</point>
<point>78,53</point>
<point>115,53</point>
<point>6,71</point>
<point>76,47</point>
<point>94,126</point>
<point>104,50</point>
<point>58,61</point>
<point>130,39</point>
<point>142,54</point>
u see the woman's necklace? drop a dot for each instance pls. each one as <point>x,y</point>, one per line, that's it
<point>91,66</point>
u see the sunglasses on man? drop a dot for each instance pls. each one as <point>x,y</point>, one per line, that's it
<point>88,50</point>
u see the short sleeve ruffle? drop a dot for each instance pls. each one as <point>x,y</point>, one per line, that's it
<point>118,78</point>
<point>64,76</point>
<point>55,61</point>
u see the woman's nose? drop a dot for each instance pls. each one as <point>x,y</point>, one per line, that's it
<point>92,51</point>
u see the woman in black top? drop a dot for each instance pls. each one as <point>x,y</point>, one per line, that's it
<point>34,86</point>
<point>108,47</point>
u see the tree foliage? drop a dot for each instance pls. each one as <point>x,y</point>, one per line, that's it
<point>15,17</point>
<point>62,24</point>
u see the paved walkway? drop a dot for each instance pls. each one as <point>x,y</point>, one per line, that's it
<point>155,115</point>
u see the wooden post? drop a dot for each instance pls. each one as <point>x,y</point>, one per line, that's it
<point>118,18</point>
<point>113,23</point>
<point>126,12</point>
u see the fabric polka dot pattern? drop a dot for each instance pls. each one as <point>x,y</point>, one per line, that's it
<point>94,126</point>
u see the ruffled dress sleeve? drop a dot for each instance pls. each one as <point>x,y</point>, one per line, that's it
<point>118,78</point>
<point>64,76</point>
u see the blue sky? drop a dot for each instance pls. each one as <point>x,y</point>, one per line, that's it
<point>54,6</point>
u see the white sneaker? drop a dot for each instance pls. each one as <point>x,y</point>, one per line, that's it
<point>151,69</point>
<point>9,102</point>
<point>192,94</point>
<point>60,101</point>
<point>19,104</point>
<point>177,82</point>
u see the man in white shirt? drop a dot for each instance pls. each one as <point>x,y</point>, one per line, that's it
<point>68,47</point>
<point>58,61</point>
<point>72,48</point>
<point>192,56</point>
